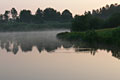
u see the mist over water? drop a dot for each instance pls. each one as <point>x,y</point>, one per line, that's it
<point>27,40</point>
<point>41,56</point>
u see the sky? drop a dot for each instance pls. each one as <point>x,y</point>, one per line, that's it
<point>75,6</point>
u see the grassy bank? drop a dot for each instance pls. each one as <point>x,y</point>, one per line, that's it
<point>33,27</point>
<point>107,36</point>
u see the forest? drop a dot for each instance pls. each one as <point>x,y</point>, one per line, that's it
<point>49,14</point>
<point>105,17</point>
<point>49,18</point>
<point>99,26</point>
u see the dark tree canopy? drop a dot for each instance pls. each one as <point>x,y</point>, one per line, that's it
<point>67,15</point>
<point>25,16</point>
<point>39,13</point>
<point>113,21</point>
<point>6,15</point>
<point>50,14</point>
<point>38,17</point>
<point>86,22</point>
<point>1,17</point>
<point>106,11</point>
<point>14,13</point>
<point>105,17</point>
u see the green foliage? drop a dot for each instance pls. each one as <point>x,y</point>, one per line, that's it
<point>38,18</point>
<point>86,22</point>
<point>116,36</point>
<point>113,21</point>
<point>105,17</point>
<point>1,17</point>
<point>10,26</point>
<point>90,36</point>
<point>70,36</point>
<point>106,11</point>
<point>106,36</point>
<point>6,15</point>
<point>96,23</point>
<point>25,16</point>
<point>89,22</point>
<point>80,23</point>
<point>14,13</point>
<point>50,14</point>
<point>66,15</point>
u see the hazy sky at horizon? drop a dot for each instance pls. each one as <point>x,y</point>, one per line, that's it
<point>75,6</point>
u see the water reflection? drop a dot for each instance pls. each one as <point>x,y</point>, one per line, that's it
<point>93,48</point>
<point>46,40</point>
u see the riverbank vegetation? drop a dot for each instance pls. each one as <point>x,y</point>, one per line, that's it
<point>106,36</point>
<point>8,27</point>
<point>105,17</point>
<point>49,18</point>
<point>101,25</point>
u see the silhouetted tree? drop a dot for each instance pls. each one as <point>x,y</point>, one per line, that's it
<point>26,16</point>
<point>1,17</point>
<point>86,22</point>
<point>107,11</point>
<point>113,21</point>
<point>87,13</point>
<point>58,16</point>
<point>6,15</point>
<point>51,14</point>
<point>107,6</point>
<point>67,15</point>
<point>80,23</point>
<point>39,13</point>
<point>38,16</point>
<point>14,13</point>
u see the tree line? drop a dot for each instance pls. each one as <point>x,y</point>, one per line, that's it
<point>49,14</point>
<point>106,11</point>
<point>105,17</point>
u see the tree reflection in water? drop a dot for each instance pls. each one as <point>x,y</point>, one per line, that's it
<point>25,41</point>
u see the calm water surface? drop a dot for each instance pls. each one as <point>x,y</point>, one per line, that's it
<point>41,56</point>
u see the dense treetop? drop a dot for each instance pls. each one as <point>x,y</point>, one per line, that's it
<point>105,17</point>
<point>49,14</point>
<point>106,11</point>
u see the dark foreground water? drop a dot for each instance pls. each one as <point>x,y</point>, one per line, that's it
<point>40,56</point>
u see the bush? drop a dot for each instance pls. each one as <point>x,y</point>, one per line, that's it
<point>90,36</point>
<point>86,22</point>
<point>116,35</point>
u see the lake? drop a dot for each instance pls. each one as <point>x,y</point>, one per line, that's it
<point>41,56</point>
